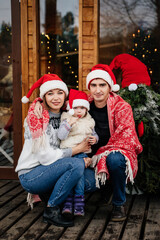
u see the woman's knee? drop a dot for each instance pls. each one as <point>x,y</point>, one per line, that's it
<point>79,166</point>
<point>115,160</point>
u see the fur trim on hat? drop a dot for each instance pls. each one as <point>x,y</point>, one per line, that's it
<point>55,84</point>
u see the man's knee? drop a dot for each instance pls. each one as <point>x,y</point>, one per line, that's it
<point>115,160</point>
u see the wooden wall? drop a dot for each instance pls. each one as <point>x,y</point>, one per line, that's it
<point>88,38</point>
<point>88,43</point>
<point>29,48</point>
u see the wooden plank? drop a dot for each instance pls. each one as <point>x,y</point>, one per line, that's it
<point>88,42</point>
<point>20,220</point>
<point>97,224</point>
<point>113,230</point>
<point>86,68</point>
<point>37,229</point>
<point>17,93</point>
<point>152,228</point>
<point>12,204</point>
<point>80,46</point>
<point>30,41</point>
<point>10,195</point>
<point>29,3</point>
<point>52,232</point>
<point>24,59</point>
<point>36,45</point>
<point>74,232</point>
<point>8,187</point>
<point>30,28</point>
<point>95,31</point>
<point>87,28</point>
<point>4,182</point>
<point>135,219</point>
<point>30,16</point>
<point>88,3</point>
<point>30,54</point>
<point>87,14</point>
<point>88,56</point>
<point>84,84</point>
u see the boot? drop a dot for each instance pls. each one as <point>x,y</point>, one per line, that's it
<point>68,207</point>
<point>118,213</point>
<point>79,205</point>
<point>53,216</point>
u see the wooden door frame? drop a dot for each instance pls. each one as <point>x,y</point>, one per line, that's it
<point>5,171</point>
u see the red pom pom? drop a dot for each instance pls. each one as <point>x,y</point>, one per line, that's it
<point>140,129</point>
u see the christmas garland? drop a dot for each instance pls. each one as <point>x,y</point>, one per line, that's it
<point>145,104</point>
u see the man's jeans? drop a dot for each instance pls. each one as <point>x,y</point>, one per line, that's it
<point>58,178</point>
<point>117,166</point>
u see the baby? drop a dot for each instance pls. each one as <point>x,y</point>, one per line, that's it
<point>77,125</point>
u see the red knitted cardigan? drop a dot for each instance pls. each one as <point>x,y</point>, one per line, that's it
<point>123,139</point>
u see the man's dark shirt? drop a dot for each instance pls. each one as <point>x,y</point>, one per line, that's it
<point>100,115</point>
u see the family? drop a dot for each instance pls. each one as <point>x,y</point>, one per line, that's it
<point>74,147</point>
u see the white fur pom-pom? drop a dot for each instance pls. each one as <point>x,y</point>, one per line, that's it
<point>25,99</point>
<point>71,111</point>
<point>132,87</point>
<point>115,88</point>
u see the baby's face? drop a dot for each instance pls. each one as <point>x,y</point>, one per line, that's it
<point>79,112</point>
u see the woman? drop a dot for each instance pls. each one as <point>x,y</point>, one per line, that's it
<point>42,166</point>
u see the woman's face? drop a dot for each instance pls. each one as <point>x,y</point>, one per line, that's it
<point>55,99</point>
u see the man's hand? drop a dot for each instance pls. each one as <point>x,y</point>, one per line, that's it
<point>92,140</point>
<point>38,110</point>
<point>87,161</point>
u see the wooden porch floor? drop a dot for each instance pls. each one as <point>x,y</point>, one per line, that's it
<point>17,221</point>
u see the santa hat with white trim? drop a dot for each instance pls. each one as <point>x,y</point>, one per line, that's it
<point>46,83</point>
<point>104,72</point>
<point>77,99</point>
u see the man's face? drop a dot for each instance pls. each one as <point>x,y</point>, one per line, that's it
<point>99,90</point>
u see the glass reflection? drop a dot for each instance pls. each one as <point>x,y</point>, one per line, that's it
<point>59,39</point>
<point>129,26</point>
<point>6,86</point>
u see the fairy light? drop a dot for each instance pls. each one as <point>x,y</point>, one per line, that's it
<point>155,49</point>
<point>134,35</point>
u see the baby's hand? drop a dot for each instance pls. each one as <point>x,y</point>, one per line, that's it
<point>73,120</point>
<point>92,140</point>
<point>87,161</point>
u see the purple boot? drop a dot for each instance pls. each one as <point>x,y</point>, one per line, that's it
<point>68,206</point>
<point>79,205</point>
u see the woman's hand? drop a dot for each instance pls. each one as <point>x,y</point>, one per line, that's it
<point>38,110</point>
<point>84,146</point>
<point>87,161</point>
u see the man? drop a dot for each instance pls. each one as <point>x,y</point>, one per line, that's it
<point>115,155</point>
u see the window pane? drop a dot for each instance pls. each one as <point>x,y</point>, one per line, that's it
<point>131,27</point>
<point>59,39</point>
<point>6,85</point>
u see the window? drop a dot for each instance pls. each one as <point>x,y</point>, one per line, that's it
<point>131,26</point>
<point>59,39</point>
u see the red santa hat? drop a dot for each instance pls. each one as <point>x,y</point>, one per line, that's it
<point>46,83</point>
<point>104,72</point>
<point>134,72</point>
<point>77,99</point>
